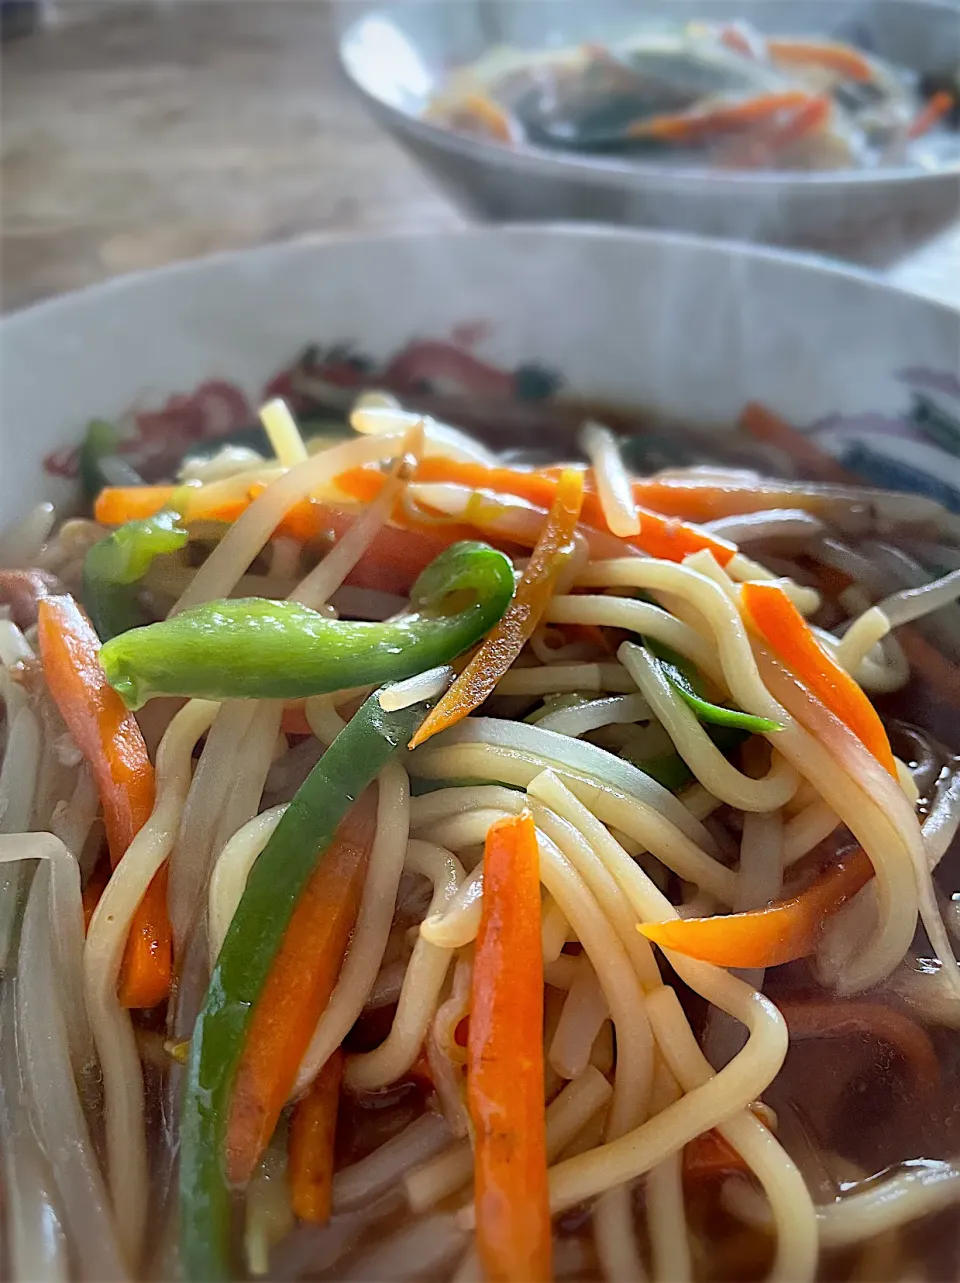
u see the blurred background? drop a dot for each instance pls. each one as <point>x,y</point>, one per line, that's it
<point>137,132</point>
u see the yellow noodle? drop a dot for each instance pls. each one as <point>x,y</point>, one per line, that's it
<point>426,972</point>
<point>642,822</point>
<point>694,745</point>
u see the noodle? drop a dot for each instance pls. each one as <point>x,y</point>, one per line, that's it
<point>648,804</point>
<point>697,749</point>
<point>584,1011</point>
<point>426,972</point>
<point>365,954</point>
<point>103,953</point>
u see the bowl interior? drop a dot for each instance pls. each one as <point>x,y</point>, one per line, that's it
<point>515,320</point>
<point>400,55</point>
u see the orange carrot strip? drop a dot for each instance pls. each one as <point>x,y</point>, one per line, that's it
<point>297,990</point>
<point>785,630</point>
<point>313,1129</point>
<point>116,505</point>
<point>816,1019</point>
<point>489,115</point>
<point>765,425</point>
<point>692,126</point>
<point>848,62</point>
<point>109,738</point>
<point>391,564</point>
<point>666,538</point>
<point>924,121</point>
<point>505,1093</point>
<point>710,1155</point>
<point>507,638</point>
<point>768,937</point>
<point>294,721</point>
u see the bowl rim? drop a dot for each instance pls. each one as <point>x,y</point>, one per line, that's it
<point>611,172</point>
<point>557,230</point>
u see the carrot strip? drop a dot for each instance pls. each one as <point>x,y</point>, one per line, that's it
<point>669,540</point>
<point>692,126</point>
<point>765,425</point>
<point>391,564</point>
<point>662,537</point>
<point>116,505</point>
<point>768,937</point>
<point>709,1155</point>
<point>489,115</point>
<point>313,1129</point>
<point>109,738</point>
<point>297,990</point>
<point>781,625</point>
<point>812,1019</point>
<point>835,57</point>
<point>507,638</point>
<point>924,121</point>
<point>505,1092</point>
<point>294,721</point>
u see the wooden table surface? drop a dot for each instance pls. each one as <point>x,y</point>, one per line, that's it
<point>139,132</point>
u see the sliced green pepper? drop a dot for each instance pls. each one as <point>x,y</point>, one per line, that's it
<point>685,680</point>
<point>113,568</point>
<point>254,648</point>
<point>99,463</point>
<point>278,877</point>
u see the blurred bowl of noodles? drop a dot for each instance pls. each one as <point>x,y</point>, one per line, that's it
<point>563,109</point>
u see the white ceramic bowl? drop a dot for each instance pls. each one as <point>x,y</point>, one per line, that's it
<point>398,57</point>
<point>688,328</point>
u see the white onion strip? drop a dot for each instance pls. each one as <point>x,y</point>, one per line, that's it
<point>614,486</point>
<point>103,954</point>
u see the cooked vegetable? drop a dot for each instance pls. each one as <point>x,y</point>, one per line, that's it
<point>783,628</point>
<point>683,677</point>
<point>312,1133</point>
<point>99,462</point>
<point>253,942</point>
<point>669,539</point>
<point>391,564</point>
<point>764,425</point>
<point>516,624</point>
<point>767,937</point>
<point>505,1090</point>
<point>297,990</point>
<point>254,648</point>
<point>110,740</point>
<point>113,568</point>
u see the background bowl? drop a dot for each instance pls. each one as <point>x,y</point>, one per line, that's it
<point>399,56</point>
<point>516,320</point>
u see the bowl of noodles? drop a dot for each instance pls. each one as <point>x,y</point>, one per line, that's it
<point>479,775</point>
<point>832,126</point>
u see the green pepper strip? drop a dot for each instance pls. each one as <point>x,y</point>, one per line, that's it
<point>278,877</point>
<point>260,649</point>
<point>101,443</point>
<point>113,568</point>
<point>683,677</point>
